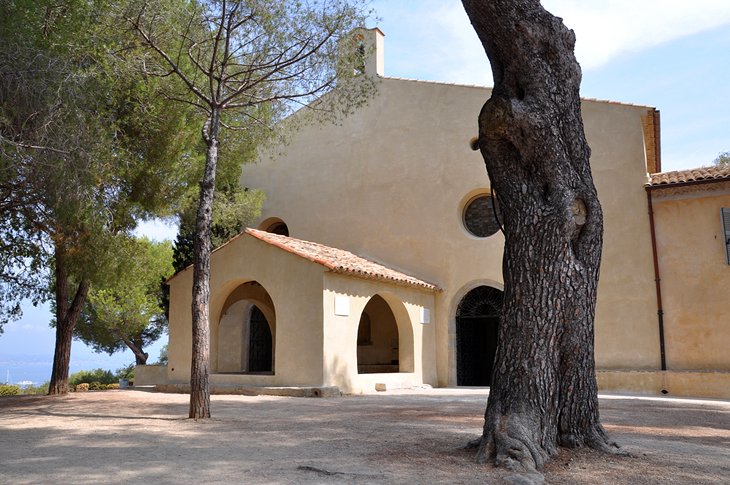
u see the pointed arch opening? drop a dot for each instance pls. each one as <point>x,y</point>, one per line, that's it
<point>378,339</point>
<point>246,337</point>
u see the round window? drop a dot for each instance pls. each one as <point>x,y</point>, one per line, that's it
<point>279,228</point>
<point>479,216</point>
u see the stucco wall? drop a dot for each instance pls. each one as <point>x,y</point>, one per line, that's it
<point>417,355</point>
<point>295,288</point>
<point>627,336</point>
<point>391,181</point>
<point>695,277</point>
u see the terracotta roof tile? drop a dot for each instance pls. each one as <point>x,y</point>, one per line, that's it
<point>702,174</point>
<point>339,260</point>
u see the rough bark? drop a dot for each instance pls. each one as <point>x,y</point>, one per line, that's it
<point>66,318</point>
<point>200,366</point>
<point>544,391</point>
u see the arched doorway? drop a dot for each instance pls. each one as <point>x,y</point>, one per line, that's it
<point>378,345</point>
<point>477,321</point>
<point>245,338</point>
<point>259,342</point>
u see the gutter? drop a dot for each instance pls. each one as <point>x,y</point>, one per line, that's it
<point>657,280</point>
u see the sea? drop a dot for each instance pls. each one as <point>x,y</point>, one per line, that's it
<point>26,350</point>
<point>34,370</point>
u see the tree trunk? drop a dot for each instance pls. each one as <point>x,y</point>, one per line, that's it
<point>544,391</point>
<point>66,318</point>
<point>140,356</point>
<point>199,369</point>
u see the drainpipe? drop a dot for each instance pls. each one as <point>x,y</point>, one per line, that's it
<point>657,280</point>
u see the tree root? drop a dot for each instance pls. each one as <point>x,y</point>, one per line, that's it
<point>512,445</point>
<point>472,444</point>
<point>596,439</point>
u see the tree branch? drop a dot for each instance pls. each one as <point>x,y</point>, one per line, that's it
<point>32,147</point>
<point>173,65</point>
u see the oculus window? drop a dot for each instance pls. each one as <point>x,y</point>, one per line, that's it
<point>479,215</point>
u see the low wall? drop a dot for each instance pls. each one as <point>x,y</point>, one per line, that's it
<point>671,383</point>
<point>300,391</point>
<point>150,375</point>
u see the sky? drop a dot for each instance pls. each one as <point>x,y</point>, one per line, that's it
<point>673,55</point>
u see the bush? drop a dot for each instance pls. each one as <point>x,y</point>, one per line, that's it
<point>38,390</point>
<point>9,390</point>
<point>83,387</point>
<point>112,386</point>
<point>100,376</point>
<point>126,372</point>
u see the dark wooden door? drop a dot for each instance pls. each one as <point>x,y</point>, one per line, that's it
<point>477,326</point>
<point>476,347</point>
<point>259,343</point>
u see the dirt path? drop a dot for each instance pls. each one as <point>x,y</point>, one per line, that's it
<point>394,437</point>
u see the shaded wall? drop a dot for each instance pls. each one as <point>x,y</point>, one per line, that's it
<point>294,286</point>
<point>695,276</point>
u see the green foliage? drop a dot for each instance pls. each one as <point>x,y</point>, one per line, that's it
<point>126,311</point>
<point>162,359</point>
<point>41,389</point>
<point>95,386</point>
<point>233,209</point>
<point>286,56</point>
<point>126,372</point>
<point>9,390</point>
<point>99,379</point>
<point>92,376</point>
<point>722,160</point>
<point>87,145</point>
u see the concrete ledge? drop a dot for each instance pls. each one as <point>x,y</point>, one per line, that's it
<point>366,383</point>
<point>257,390</point>
<point>672,383</point>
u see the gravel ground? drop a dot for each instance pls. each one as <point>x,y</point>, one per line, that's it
<point>413,436</point>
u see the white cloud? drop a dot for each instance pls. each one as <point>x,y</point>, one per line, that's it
<point>157,230</point>
<point>437,42</point>
<point>605,30</point>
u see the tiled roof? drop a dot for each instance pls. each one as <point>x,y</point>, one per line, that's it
<point>703,174</point>
<point>339,260</point>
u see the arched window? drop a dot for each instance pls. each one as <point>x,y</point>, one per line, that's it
<point>477,324</point>
<point>279,228</point>
<point>274,225</point>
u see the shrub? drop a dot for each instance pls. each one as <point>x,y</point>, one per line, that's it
<point>39,389</point>
<point>112,386</point>
<point>126,372</point>
<point>9,390</point>
<point>83,387</point>
<point>88,376</point>
<point>97,386</point>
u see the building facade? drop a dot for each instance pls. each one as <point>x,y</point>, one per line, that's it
<point>397,184</point>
